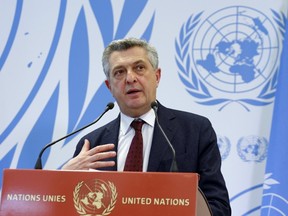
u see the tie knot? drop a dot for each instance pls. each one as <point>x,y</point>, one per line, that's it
<point>137,124</point>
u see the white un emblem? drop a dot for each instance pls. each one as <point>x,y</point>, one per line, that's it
<point>232,54</point>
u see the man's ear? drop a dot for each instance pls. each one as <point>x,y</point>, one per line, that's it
<point>108,84</point>
<point>158,75</point>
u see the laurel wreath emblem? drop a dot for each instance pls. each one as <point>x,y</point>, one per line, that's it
<point>79,208</point>
<point>196,88</point>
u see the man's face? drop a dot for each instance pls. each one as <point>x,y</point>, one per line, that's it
<point>133,81</point>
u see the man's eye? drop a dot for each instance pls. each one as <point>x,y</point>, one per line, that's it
<point>140,67</point>
<point>118,73</point>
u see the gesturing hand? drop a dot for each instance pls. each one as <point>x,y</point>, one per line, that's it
<point>91,158</point>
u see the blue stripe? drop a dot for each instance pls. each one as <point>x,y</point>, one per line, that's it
<point>12,34</point>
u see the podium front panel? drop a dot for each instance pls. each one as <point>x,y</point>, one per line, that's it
<point>41,192</point>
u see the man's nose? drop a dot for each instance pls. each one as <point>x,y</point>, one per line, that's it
<point>131,76</point>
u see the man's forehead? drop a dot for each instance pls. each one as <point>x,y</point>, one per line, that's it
<point>128,57</point>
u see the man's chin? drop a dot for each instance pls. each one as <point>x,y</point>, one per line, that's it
<point>136,109</point>
<point>135,103</point>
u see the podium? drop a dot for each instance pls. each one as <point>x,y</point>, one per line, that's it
<point>47,192</point>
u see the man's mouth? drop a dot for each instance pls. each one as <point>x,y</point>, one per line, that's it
<point>132,91</point>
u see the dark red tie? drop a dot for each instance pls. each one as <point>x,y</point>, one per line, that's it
<point>134,160</point>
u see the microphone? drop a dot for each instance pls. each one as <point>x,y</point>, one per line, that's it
<point>173,167</point>
<point>38,164</point>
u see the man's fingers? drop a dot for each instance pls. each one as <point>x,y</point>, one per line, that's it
<point>92,158</point>
<point>101,148</point>
<point>86,146</point>
<point>101,164</point>
<point>102,156</point>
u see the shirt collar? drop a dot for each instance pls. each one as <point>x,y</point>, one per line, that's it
<point>125,121</point>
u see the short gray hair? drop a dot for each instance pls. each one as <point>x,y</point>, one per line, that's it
<point>125,44</point>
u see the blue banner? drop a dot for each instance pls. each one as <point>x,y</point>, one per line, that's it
<point>275,194</point>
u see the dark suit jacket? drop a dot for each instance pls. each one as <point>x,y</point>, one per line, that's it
<point>196,148</point>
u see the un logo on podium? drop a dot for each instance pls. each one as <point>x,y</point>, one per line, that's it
<point>94,197</point>
<point>231,56</point>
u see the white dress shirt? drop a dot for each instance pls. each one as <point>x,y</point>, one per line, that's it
<point>127,133</point>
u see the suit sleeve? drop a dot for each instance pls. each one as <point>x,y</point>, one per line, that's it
<point>209,167</point>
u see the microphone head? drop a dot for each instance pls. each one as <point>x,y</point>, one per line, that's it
<point>154,105</point>
<point>110,106</point>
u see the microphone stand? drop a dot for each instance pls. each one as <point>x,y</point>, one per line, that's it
<point>173,168</point>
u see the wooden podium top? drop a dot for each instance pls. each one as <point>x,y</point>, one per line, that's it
<point>45,192</point>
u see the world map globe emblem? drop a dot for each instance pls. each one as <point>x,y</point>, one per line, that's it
<point>273,204</point>
<point>235,49</point>
<point>94,197</point>
<point>252,148</point>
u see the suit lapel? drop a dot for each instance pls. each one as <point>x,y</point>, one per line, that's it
<point>161,155</point>
<point>111,136</point>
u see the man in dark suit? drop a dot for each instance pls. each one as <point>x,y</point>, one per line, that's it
<point>133,75</point>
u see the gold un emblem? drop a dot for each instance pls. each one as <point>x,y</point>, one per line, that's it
<point>94,197</point>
